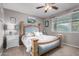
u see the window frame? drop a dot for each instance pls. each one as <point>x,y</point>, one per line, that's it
<point>71,21</point>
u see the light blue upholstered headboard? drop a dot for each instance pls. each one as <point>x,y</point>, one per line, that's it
<point>31,28</point>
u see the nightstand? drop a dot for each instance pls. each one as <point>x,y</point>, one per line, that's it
<point>12,41</point>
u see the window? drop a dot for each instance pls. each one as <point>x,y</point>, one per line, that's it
<point>63,27</point>
<point>75,26</point>
<point>67,23</point>
<point>75,22</point>
<point>63,24</point>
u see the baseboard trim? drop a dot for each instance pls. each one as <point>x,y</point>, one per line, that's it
<point>71,45</point>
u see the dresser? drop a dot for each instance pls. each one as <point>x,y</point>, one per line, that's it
<point>12,35</point>
<point>12,41</point>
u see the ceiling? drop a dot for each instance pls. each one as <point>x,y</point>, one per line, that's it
<point>30,8</point>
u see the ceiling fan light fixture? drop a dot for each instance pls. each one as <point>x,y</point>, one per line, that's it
<point>47,7</point>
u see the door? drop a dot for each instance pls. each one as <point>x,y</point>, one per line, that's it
<point>1,30</point>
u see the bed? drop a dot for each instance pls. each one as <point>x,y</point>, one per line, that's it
<point>37,43</point>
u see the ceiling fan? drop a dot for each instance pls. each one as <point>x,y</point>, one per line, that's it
<point>48,6</point>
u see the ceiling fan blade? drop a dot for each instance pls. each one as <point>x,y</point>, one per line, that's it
<point>39,7</point>
<point>54,7</point>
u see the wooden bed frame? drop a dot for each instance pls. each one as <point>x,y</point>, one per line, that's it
<point>36,43</point>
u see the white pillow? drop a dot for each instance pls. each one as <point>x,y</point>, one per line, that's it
<point>29,34</point>
<point>38,33</point>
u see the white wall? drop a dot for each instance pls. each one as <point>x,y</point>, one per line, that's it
<point>47,29</point>
<point>19,16</point>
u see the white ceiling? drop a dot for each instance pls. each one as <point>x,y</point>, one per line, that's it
<point>30,8</point>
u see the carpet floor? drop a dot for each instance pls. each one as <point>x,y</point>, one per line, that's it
<point>64,51</point>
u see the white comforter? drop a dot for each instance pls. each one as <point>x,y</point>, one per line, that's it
<point>27,40</point>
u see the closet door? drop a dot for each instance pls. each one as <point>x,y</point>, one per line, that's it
<point>1,30</point>
<point>1,33</point>
<point>1,36</point>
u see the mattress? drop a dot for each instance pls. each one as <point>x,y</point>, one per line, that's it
<point>46,38</point>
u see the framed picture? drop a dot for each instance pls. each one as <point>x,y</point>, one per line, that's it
<point>12,19</point>
<point>46,23</point>
<point>31,20</point>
